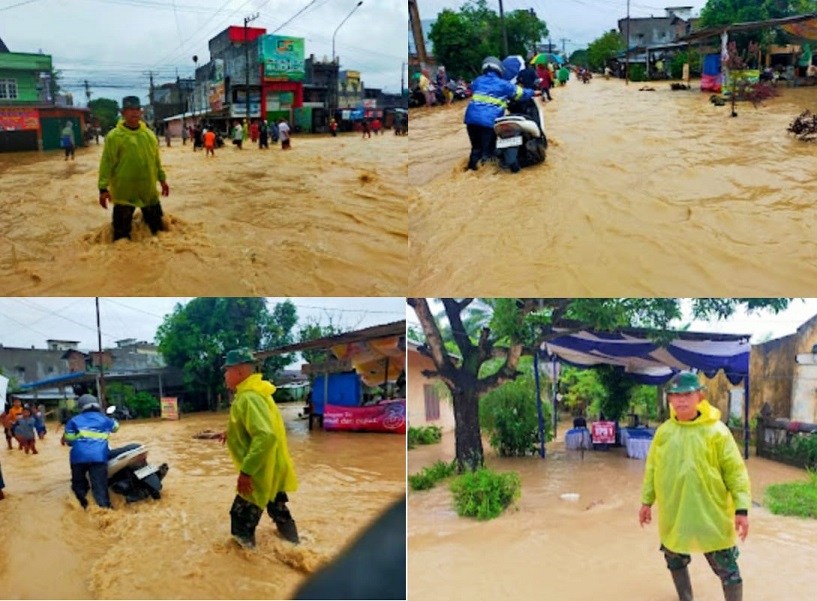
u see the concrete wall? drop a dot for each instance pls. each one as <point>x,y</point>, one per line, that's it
<point>31,365</point>
<point>415,399</point>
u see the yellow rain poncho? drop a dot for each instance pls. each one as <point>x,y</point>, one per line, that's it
<point>696,474</point>
<point>130,166</point>
<point>257,441</point>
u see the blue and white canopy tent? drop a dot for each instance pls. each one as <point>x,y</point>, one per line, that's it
<point>631,350</point>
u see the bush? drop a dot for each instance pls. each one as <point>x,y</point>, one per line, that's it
<point>677,65</point>
<point>638,73</point>
<point>485,494</point>
<point>429,476</point>
<point>802,449</point>
<point>424,435</point>
<point>509,416</point>
<point>142,404</point>
<point>794,498</point>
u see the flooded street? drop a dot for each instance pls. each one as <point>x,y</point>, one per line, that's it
<point>179,547</point>
<point>592,548</point>
<point>324,219</point>
<point>642,193</point>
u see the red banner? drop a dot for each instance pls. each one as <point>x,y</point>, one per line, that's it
<point>604,432</point>
<point>11,119</point>
<point>387,416</point>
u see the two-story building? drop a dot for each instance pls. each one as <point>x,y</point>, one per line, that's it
<point>32,112</point>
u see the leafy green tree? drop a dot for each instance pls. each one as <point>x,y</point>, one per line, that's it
<point>580,57</point>
<point>196,336</point>
<point>462,39</point>
<point>105,111</point>
<point>122,395</point>
<point>604,48</point>
<point>518,326</point>
<point>676,67</point>
<point>583,392</point>
<point>313,330</point>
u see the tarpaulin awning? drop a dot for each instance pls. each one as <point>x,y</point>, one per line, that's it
<point>803,29</point>
<point>649,363</point>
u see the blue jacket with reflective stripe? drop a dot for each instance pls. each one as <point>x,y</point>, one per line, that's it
<point>87,435</point>
<point>490,99</point>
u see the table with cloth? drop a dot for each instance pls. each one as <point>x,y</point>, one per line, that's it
<point>637,441</point>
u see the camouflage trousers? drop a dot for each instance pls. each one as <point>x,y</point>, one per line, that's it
<point>724,563</point>
<point>244,518</point>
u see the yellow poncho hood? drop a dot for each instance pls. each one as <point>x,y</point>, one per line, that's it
<point>256,438</point>
<point>697,476</point>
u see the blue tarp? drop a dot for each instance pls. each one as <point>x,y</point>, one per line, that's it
<point>53,381</point>
<point>712,64</point>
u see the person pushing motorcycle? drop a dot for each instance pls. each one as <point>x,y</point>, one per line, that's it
<point>87,435</point>
<point>490,98</point>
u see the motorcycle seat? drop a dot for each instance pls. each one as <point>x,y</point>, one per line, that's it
<point>525,123</point>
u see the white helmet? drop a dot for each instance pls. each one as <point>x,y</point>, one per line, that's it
<point>87,402</point>
<point>492,63</point>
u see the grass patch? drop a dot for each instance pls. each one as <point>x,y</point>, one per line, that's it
<point>794,498</point>
<point>429,476</point>
<point>485,494</point>
<point>423,435</point>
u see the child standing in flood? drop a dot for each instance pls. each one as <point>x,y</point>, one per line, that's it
<point>27,431</point>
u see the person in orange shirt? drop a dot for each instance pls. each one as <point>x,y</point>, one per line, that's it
<point>13,414</point>
<point>209,142</point>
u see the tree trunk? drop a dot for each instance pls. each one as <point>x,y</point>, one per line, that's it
<point>466,429</point>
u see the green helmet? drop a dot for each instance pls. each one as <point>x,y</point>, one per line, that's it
<point>684,382</point>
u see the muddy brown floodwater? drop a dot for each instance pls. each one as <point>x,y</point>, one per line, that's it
<point>646,193</point>
<point>179,547</point>
<point>592,548</point>
<point>327,218</point>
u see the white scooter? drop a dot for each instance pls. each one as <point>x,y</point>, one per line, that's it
<point>130,474</point>
<point>520,137</point>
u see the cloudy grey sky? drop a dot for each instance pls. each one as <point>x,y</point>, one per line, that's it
<point>115,43</point>
<point>760,326</point>
<point>27,322</point>
<point>579,21</point>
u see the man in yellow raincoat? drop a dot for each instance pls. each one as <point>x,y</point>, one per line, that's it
<point>696,474</point>
<point>257,442</point>
<point>128,171</point>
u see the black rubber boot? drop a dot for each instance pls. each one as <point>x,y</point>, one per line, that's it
<point>682,584</point>
<point>733,592</point>
<point>279,512</point>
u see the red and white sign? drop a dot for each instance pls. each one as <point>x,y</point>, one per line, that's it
<point>604,432</point>
<point>388,416</point>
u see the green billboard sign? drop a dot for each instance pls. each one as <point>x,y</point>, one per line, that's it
<point>282,57</point>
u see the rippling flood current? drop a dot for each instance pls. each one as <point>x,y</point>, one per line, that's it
<point>592,548</point>
<point>643,193</point>
<point>326,218</point>
<point>179,547</point>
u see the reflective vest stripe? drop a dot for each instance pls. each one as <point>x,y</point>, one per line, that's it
<point>86,434</point>
<point>489,100</point>
<point>519,92</point>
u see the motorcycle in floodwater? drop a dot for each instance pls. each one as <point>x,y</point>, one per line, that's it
<point>520,136</point>
<point>130,474</point>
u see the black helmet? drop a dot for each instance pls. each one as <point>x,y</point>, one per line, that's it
<point>492,63</point>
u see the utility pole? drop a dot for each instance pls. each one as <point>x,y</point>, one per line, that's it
<point>402,78</point>
<point>627,48</point>
<point>504,33</point>
<point>152,105</point>
<point>247,58</point>
<point>564,51</point>
<point>101,390</point>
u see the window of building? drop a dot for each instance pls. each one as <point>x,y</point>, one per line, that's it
<point>432,402</point>
<point>8,89</point>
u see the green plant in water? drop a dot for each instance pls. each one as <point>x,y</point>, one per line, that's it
<point>485,494</point>
<point>429,476</point>
<point>794,498</point>
<point>424,435</point>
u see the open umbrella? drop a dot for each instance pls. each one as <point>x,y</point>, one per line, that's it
<point>544,58</point>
